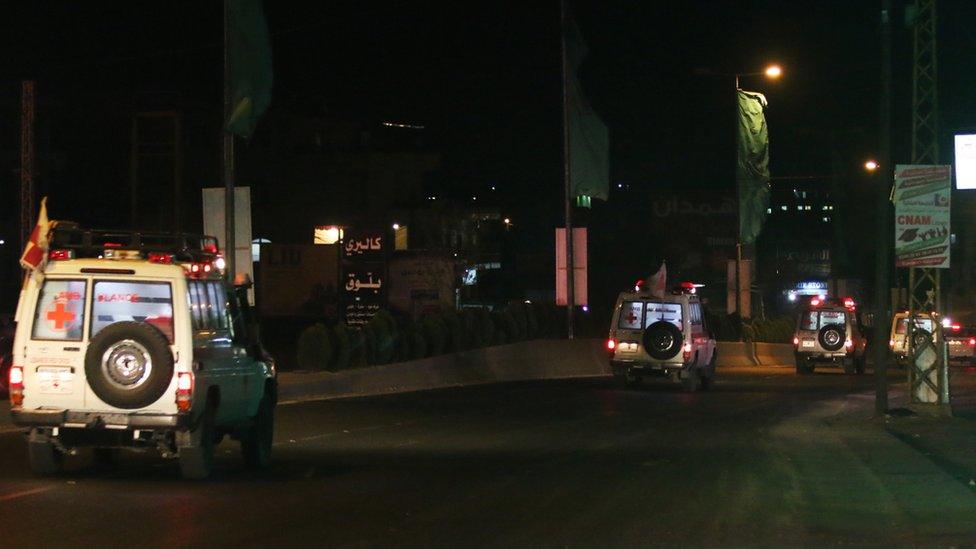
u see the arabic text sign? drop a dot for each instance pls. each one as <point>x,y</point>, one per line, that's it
<point>922,216</point>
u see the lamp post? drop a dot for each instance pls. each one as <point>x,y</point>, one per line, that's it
<point>771,72</point>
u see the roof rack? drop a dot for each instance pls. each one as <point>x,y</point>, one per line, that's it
<point>93,242</point>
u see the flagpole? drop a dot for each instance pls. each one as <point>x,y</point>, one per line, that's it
<point>228,155</point>
<point>570,279</point>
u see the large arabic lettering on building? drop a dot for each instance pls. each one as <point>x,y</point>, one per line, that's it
<point>922,216</point>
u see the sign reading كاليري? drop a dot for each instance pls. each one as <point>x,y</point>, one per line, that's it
<point>922,227</point>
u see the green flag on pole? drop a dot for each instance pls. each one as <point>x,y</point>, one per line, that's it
<point>589,142</point>
<point>249,59</point>
<point>752,166</point>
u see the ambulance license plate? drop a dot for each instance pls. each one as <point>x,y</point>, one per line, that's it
<point>54,380</point>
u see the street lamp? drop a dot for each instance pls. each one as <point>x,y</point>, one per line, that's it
<point>870,165</point>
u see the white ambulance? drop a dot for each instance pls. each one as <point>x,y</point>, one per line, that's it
<point>129,340</point>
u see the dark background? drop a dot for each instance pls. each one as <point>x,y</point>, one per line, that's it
<point>483,79</point>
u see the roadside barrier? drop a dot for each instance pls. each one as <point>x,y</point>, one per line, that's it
<point>774,354</point>
<point>527,360</point>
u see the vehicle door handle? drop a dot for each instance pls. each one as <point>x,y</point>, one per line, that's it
<point>72,348</point>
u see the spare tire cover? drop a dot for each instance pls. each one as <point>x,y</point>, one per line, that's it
<point>921,337</point>
<point>831,337</point>
<point>129,364</point>
<point>662,340</point>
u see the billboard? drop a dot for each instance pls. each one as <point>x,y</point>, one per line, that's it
<point>363,290</point>
<point>298,280</point>
<point>579,267</point>
<point>421,283</point>
<point>966,161</point>
<point>921,196</point>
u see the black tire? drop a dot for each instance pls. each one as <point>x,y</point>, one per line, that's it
<point>129,365</point>
<point>803,366</point>
<point>257,442</point>
<point>196,458</point>
<point>692,382</point>
<point>708,379</point>
<point>662,340</point>
<point>832,337</point>
<point>44,459</point>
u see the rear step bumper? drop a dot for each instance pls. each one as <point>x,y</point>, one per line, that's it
<point>98,420</point>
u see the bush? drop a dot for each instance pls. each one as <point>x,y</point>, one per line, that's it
<point>340,337</point>
<point>381,337</point>
<point>435,334</point>
<point>455,332</point>
<point>357,348</point>
<point>472,329</point>
<point>314,348</point>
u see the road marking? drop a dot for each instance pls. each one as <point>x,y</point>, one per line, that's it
<point>25,493</point>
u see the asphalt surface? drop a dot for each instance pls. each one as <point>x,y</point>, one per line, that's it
<point>764,458</point>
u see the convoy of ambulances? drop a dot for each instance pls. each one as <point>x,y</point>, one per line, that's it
<point>129,340</point>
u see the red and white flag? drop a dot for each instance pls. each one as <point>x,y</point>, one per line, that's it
<point>36,250</point>
<point>657,282</point>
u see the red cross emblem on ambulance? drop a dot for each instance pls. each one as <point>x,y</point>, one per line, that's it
<point>61,319</point>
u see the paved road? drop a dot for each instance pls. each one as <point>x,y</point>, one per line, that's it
<point>765,458</point>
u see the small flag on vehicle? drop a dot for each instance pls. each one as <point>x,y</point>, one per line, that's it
<point>35,252</point>
<point>657,283</point>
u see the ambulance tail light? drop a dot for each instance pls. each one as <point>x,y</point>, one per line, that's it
<point>611,344</point>
<point>796,341</point>
<point>686,352</point>
<point>184,391</point>
<point>15,385</point>
<point>60,255</point>
<point>849,345</point>
<point>972,342</point>
<point>891,343</point>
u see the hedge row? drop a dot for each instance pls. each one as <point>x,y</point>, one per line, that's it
<point>387,339</point>
<point>733,328</point>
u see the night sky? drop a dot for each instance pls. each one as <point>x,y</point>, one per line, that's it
<point>483,78</point>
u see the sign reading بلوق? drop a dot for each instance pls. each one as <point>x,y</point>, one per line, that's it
<point>922,216</point>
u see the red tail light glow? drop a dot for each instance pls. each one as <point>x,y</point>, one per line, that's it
<point>815,302</point>
<point>59,255</point>
<point>611,344</point>
<point>16,385</point>
<point>972,342</point>
<point>686,352</point>
<point>184,391</point>
<point>161,258</point>
<point>848,345</point>
<point>796,341</point>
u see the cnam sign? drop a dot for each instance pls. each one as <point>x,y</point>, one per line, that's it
<point>922,227</point>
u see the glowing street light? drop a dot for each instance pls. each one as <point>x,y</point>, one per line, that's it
<point>870,165</point>
<point>396,226</point>
<point>774,71</point>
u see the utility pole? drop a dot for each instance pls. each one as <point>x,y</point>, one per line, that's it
<point>228,155</point>
<point>26,159</point>
<point>567,181</point>
<point>883,237</point>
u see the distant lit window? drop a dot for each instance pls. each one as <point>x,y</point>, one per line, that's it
<point>826,219</point>
<point>806,208</point>
<point>799,208</point>
<point>769,210</point>
<point>825,208</point>
<point>783,207</point>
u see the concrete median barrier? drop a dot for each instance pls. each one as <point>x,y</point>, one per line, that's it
<point>529,360</point>
<point>539,359</point>
<point>736,353</point>
<point>774,354</point>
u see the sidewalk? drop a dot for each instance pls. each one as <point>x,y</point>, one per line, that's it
<point>950,443</point>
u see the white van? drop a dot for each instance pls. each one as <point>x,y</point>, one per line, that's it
<point>667,336</point>
<point>134,340</point>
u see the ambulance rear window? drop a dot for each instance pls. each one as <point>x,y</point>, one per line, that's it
<point>149,302</point>
<point>60,313</point>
